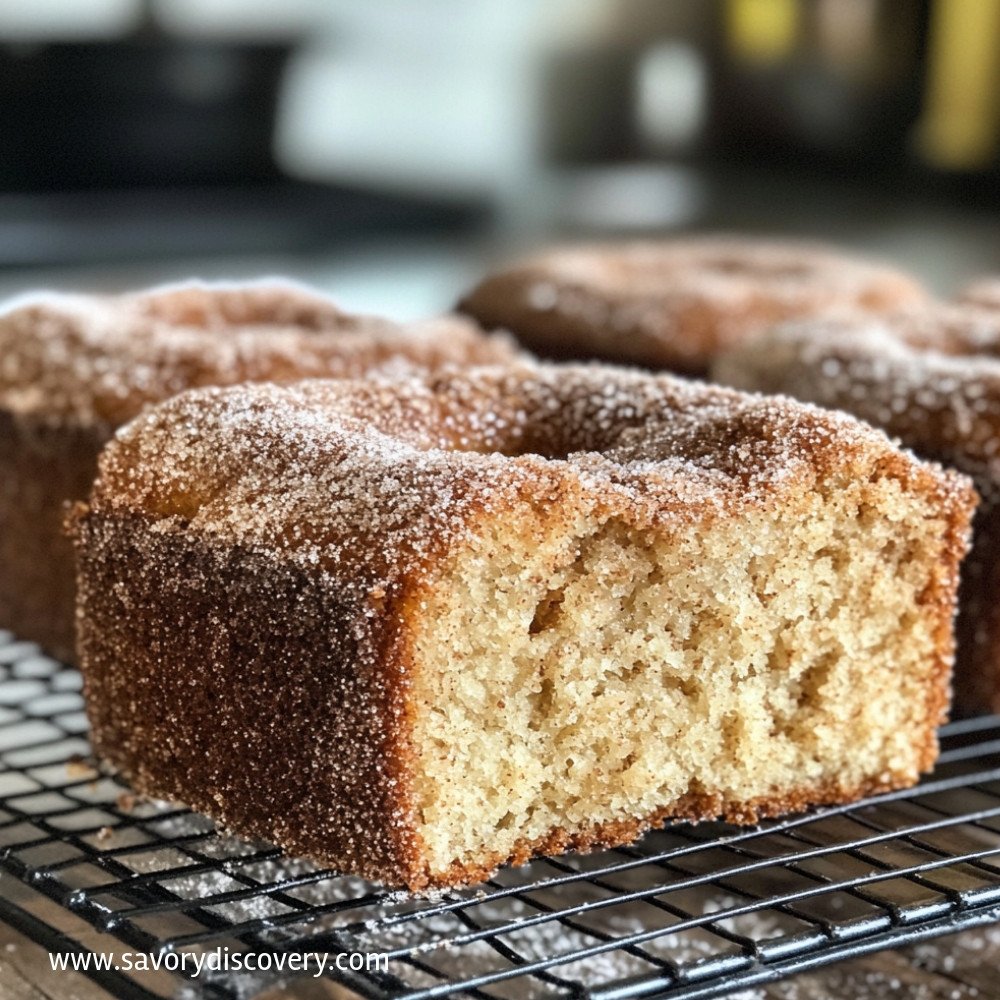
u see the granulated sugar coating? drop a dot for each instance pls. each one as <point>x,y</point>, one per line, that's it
<point>73,368</point>
<point>932,379</point>
<point>98,360</point>
<point>417,627</point>
<point>675,304</point>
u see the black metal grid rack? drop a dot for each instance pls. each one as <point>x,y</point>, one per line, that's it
<point>690,911</point>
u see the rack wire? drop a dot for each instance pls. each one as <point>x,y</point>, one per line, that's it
<point>690,911</point>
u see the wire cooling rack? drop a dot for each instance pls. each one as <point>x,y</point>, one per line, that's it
<point>690,911</point>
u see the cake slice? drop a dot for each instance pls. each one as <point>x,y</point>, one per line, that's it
<point>416,628</point>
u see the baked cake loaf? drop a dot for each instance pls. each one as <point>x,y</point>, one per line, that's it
<point>674,304</point>
<point>932,379</point>
<point>74,368</point>
<point>417,628</point>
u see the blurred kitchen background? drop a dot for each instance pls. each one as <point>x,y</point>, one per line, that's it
<point>389,150</point>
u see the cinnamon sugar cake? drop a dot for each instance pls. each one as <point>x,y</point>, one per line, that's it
<point>74,368</point>
<point>674,304</point>
<point>415,628</point>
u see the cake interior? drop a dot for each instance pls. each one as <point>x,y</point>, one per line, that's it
<point>580,674</point>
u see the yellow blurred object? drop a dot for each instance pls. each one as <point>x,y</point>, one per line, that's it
<point>762,31</point>
<point>961,124</point>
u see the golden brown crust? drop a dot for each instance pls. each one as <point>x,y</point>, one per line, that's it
<point>73,368</point>
<point>674,304</point>
<point>272,718</point>
<point>932,379</point>
<point>252,557</point>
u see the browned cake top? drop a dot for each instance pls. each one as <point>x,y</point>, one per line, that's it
<point>383,471</point>
<point>984,292</point>
<point>716,267</point>
<point>689,296</point>
<point>101,359</point>
<point>930,377</point>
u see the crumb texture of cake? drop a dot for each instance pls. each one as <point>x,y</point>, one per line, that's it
<point>73,368</point>
<point>930,378</point>
<point>419,627</point>
<point>674,304</point>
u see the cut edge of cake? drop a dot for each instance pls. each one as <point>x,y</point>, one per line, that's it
<point>577,680</point>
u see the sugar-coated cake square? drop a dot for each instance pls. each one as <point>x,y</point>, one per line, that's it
<point>416,628</point>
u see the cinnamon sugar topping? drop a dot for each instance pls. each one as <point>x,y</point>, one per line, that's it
<point>674,304</point>
<point>323,466</point>
<point>95,360</point>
